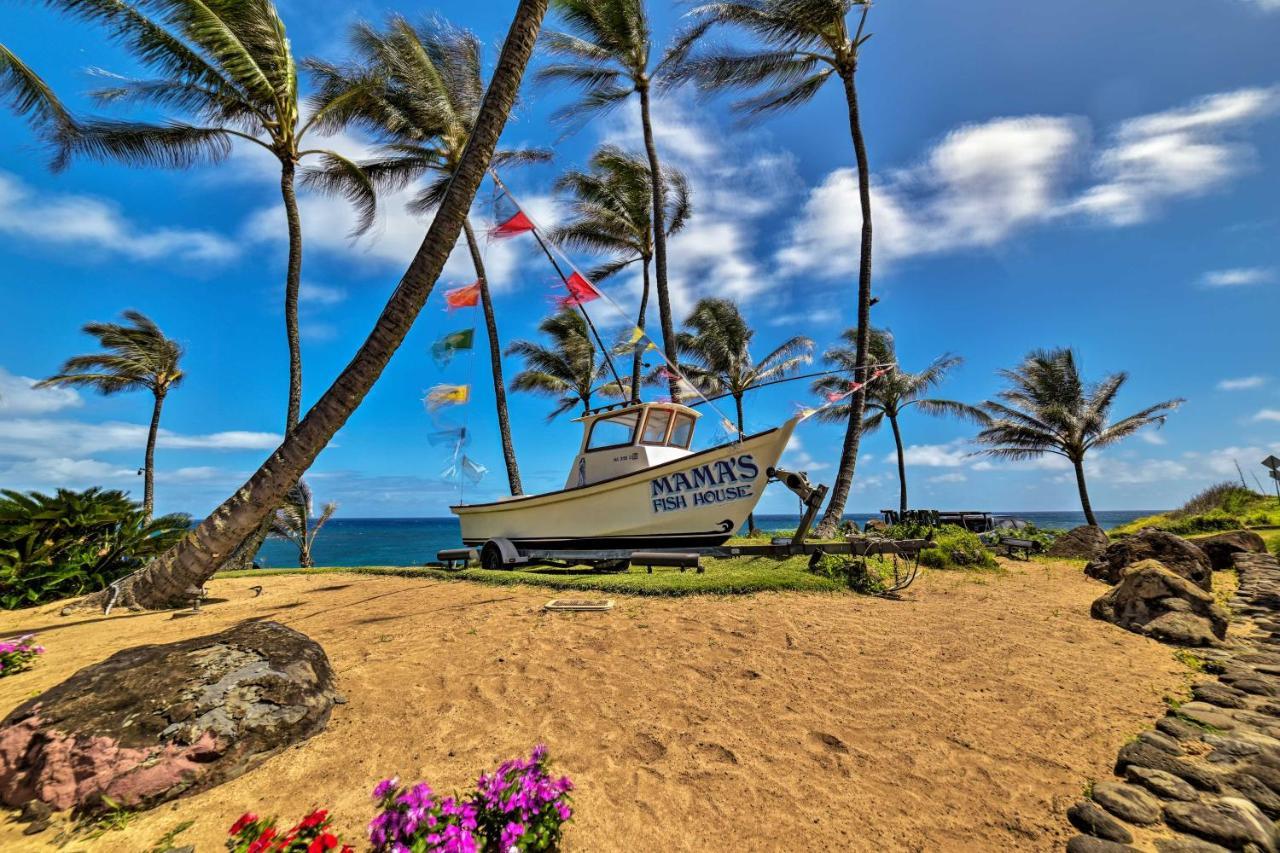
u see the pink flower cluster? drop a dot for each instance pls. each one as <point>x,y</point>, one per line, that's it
<point>17,655</point>
<point>519,808</point>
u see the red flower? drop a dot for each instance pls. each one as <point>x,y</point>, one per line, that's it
<point>328,841</point>
<point>245,819</point>
<point>316,818</point>
<point>264,841</point>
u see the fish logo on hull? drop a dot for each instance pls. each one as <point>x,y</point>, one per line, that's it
<point>721,481</point>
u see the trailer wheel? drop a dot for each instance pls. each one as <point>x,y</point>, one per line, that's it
<point>491,557</point>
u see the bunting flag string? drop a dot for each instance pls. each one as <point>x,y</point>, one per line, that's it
<point>580,290</point>
<point>454,436</point>
<point>447,395</point>
<point>463,465</point>
<point>467,296</point>
<point>443,350</point>
<point>509,219</point>
<point>833,397</point>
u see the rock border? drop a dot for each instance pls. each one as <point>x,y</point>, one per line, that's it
<point>1207,779</point>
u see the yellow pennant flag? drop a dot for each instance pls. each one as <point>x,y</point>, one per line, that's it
<point>447,395</point>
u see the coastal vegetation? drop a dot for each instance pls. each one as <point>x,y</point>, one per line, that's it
<point>135,356</point>
<point>294,521</point>
<point>1048,408</point>
<point>1222,506</point>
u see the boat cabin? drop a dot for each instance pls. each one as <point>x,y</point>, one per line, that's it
<point>630,437</point>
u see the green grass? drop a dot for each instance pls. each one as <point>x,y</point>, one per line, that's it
<point>1220,508</point>
<point>733,576</point>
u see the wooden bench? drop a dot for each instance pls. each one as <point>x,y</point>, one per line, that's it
<point>1012,546</point>
<point>455,559</point>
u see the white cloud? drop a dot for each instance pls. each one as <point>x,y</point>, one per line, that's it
<point>984,183</point>
<point>17,397</point>
<point>1152,437</point>
<point>79,221</point>
<point>1266,5</point>
<point>1238,277</point>
<point>953,477</point>
<point>1267,415</point>
<point>1244,383</point>
<point>796,458</point>
<point>953,454</point>
<point>1131,473</point>
<point>319,294</point>
<point>38,438</point>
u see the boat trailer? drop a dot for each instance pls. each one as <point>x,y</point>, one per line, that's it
<point>499,553</point>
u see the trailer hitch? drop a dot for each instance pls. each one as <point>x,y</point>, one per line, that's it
<point>810,495</point>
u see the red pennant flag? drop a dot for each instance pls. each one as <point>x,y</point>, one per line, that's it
<point>510,219</point>
<point>580,291</point>
<point>462,297</point>
<point>832,396</point>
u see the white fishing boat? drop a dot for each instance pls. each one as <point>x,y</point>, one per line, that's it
<point>635,484</point>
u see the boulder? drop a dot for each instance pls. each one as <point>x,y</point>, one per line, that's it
<point>1082,543</point>
<point>1127,802</point>
<point>1231,822</point>
<point>154,722</point>
<point>1087,817</point>
<point>1221,548</point>
<point>1177,554</point>
<point>1149,599</point>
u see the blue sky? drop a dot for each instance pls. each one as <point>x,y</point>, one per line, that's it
<point>1097,175</point>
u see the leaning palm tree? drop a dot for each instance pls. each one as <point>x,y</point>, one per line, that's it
<point>803,44</point>
<point>229,67</point>
<point>135,356</point>
<point>32,99</point>
<point>293,521</point>
<point>166,580</point>
<point>610,208</point>
<point>605,52</point>
<point>417,91</point>
<point>569,369</point>
<point>716,356</point>
<point>1048,408</point>
<point>892,394</point>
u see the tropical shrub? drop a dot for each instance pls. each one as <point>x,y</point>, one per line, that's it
<point>517,807</point>
<point>73,543</point>
<point>252,834</point>
<point>17,655</point>
<point>859,575</point>
<point>956,548</point>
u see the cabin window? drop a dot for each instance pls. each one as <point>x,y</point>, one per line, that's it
<point>682,432</point>
<point>655,427</point>
<point>613,432</point>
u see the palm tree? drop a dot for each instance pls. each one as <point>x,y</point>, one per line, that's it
<point>31,98</point>
<point>230,67</point>
<point>569,369</point>
<point>717,356</point>
<point>610,208</point>
<point>1048,408</point>
<point>293,521</point>
<point>804,43</point>
<point>892,394</point>
<point>606,53</point>
<point>135,356</point>
<point>417,90</point>
<point>164,582</point>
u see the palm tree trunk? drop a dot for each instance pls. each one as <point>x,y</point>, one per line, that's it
<point>637,358</point>
<point>741,432</point>
<point>902,466</point>
<point>659,240</point>
<point>193,560</point>
<point>857,405</point>
<point>292,283</point>
<point>1084,494</point>
<point>149,463</point>
<point>495,361</point>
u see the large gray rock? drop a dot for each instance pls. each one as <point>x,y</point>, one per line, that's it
<point>1173,552</point>
<point>1149,599</point>
<point>1221,548</point>
<point>1231,821</point>
<point>154,722</point>
<point>1127,802</point>
<point>1081,543</point>
<point>1087,817</point>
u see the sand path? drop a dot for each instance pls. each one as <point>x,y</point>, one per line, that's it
<point>966,717</point>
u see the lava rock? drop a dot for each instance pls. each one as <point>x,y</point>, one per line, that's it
<point>1161,783</point>
<point>1180,729</point>
<point>155,722</point>
<point>1187,844</point>
<point>1082,543</point>
<point>1090,819</point>
<point>1257,792</point>
<point>1141,602</point>
<point>1175,553</point>
<point>1230,821</point>
<point>1161,741</point>
<point>1144,755</point>
<point>1218,694</point>
<point>1221,548</point>
<point>1127,802</point>
<point>1090,844</point>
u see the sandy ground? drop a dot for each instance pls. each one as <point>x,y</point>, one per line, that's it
<point>966,717</point>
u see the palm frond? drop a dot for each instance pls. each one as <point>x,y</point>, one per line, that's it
<point>341,176</point>
<point>170,145</point>
<point>31,98</point>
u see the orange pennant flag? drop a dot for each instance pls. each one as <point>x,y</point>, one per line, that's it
<point>462,297</point>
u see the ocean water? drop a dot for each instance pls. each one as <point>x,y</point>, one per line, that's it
<point>414,541</point>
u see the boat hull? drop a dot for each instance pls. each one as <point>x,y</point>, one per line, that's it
<point>698,500</point>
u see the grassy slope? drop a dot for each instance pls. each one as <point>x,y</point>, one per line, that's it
<point>724,577</point>
<point>1261,511</point>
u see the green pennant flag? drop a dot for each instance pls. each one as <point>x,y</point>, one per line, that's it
<point>442,350</point>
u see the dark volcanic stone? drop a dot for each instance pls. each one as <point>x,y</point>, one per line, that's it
<point>1150,599</point>
<point>1144,755</point>
<point>1219,694</point>
<point>1161,741</point>
<point>1090,819</point>
<point>1083,543</point>
<point>1180,729</point>
<point>1230,821</point>
<point>1161,783</point>
<point>1089,844</point>
<point>1221,548</point>
<point>154,722</point>
<point>1127,802</point>
<point>1173,552</point>
<point>1256,792</point>
<point>1187,844</point>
